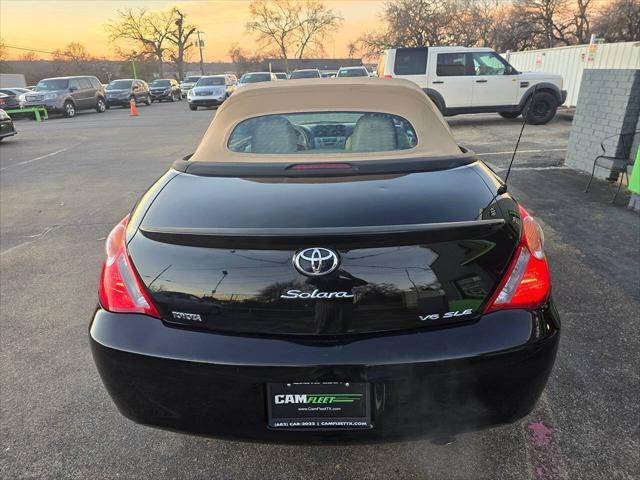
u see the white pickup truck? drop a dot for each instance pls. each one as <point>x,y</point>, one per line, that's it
<point>475,80</point>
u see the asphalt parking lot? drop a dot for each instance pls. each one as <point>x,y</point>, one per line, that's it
<point>64,183</point>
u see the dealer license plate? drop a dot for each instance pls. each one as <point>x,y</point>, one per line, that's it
<point>318,406</point>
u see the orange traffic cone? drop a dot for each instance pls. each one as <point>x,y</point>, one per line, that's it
<point>132,108</point>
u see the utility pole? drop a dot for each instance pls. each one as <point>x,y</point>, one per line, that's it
<point>200,45</point>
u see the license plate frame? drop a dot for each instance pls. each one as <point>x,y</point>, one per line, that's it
<point>318,406</point>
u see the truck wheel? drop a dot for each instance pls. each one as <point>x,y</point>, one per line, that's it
<point>509,114</point>
<point>542,108</point>
<point>101,106</point>
<point>69,109</point>
<point>193,107</point>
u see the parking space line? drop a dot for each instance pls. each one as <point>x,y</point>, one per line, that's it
<point>523,151</point>
<point>42,157</point>
<point>533,169</point>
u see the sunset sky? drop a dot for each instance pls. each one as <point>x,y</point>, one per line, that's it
<point>51,24</point>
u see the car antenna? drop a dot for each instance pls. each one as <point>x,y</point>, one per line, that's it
<point>503,188</point>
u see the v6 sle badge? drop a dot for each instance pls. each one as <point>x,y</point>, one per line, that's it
<point>437,316</point>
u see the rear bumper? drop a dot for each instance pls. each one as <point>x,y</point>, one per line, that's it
<point>7,129</point>
<point>161,96</point>
<point>424,384</point>
<point>122,101</point>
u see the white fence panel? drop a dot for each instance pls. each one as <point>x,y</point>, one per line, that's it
<point>571,61</point>
<point>11,80</point>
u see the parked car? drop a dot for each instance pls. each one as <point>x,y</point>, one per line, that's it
<point>353,72</point>
<point>14,94</point>
<point>165,89</point>
<point>326,268</point>
<point>475,80</point>
<point>281,75</point>
<point>188,83</point>
<point>120,92</point>
<point>8,101</point>
<point>6,125</point>
<point>211,90</point>
<point>67,95</point>
<point>305,73</point>
<point>256,77</point>
<point>328,73</point>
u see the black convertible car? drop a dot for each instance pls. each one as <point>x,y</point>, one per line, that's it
<point>328,266</point>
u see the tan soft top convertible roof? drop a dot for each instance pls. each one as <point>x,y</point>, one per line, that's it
<point>397,97</point>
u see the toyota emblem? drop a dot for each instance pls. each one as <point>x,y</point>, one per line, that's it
<point>316,261</point>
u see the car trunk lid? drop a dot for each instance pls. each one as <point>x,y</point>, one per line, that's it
<point>414,250</point>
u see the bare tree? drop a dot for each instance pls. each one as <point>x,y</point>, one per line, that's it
<point>292,27</point>
<point>73,59</point>
<point>242,60</point>
<point>352,49</point>
<point>179,38</point>
<point>3,50</point>
<point>421,23</point>
<point>619,21</point>
<point>275,22</point>
<point>149,30</point>
<point>316,22</point>
<point>549,21</point>
<point>73,52</point>
<point>485,19</point>
<point>28,57</point>
<point>582,21</point>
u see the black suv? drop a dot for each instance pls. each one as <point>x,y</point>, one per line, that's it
<point>165,89</point>
<point>120,92</point>
<point>67,95</point>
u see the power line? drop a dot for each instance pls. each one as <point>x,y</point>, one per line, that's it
<point>15,47</point>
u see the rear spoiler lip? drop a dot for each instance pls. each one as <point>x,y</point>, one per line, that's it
<point>358,167</point>
<point>320,231</point>
<point>360,235</point>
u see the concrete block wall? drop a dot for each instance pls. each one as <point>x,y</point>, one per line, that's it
<point>608,104</point>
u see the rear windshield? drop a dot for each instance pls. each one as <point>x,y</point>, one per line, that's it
<point>119,84</point>
<point>255,77</point>
<point>50,85</point>
<point>208,81</point>
<point>305,74</point>
<point>323,132</point>
<point>191,79</point>
<point>160,83</point>
<point>353,72</point>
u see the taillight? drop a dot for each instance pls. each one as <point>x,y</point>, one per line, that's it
<point>121,290</point>
<point>387,77</point>
<point>527,283</point>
